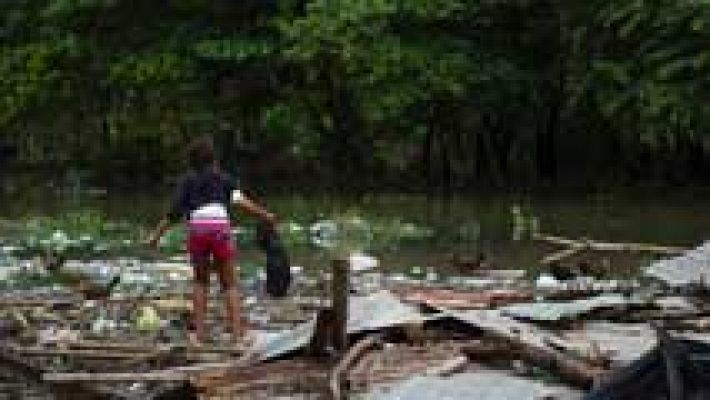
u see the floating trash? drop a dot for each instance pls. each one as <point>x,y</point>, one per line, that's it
<point>147,319</point>
<point>362,262</point>
<point>548,282</point>
<point>324,233</point>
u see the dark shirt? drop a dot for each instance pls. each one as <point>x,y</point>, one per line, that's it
<point>198,188</point>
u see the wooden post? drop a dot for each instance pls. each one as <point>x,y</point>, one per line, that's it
<point>340,290</point>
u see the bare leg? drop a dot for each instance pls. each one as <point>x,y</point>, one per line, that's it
<point>199,301</point>
<point>232,300</point>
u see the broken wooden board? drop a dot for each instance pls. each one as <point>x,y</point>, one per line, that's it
<point>456,299</point>
<point>537,346</point>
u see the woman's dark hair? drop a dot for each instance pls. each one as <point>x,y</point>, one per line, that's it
<point>201,153</point>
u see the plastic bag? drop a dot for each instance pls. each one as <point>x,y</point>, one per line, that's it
<point>278,268</point>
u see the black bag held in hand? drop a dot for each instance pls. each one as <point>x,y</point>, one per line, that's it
<point>278,269</point>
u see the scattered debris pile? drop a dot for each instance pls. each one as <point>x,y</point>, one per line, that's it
<point>497,334</point>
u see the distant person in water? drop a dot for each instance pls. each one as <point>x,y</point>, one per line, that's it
<point>203,199</point>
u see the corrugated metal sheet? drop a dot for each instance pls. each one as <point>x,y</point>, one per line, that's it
<point>479,385</point>
<point>691,267</point>
<point>558,310</point>
<point>380,310</point>
<point>366,313</point>
<point>270,345</point>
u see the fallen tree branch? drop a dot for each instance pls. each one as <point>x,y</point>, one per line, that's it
<point>590,244</point>
<point>575,246</point>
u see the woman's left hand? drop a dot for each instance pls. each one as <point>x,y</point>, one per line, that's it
<point>271,220</point>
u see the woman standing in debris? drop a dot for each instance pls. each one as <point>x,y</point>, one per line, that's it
<point>203,200</point>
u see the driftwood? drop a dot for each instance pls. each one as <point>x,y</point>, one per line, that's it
<point>569,369</point>
<point>575,246</point>
<point>535,346</point>
<point>353,354</point>
<point>576,372</point>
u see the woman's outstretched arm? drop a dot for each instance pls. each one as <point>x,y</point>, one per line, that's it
<point>252,208</point>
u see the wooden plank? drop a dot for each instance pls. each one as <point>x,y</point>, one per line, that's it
<point>156,376</point>
<point>142,347</point>
<point>533,344</point>
<point>251,376</point>
<point>94,354</point>
<point>61,390</point>
<point>47,303</point>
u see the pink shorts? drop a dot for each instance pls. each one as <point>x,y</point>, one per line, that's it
<point>210,241</point>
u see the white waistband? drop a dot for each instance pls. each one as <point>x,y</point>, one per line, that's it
<point>212,211</point>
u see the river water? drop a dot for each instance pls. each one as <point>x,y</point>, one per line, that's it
<point>438,230</point>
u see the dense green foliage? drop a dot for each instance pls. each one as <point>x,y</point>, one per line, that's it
<point>509,92</point>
